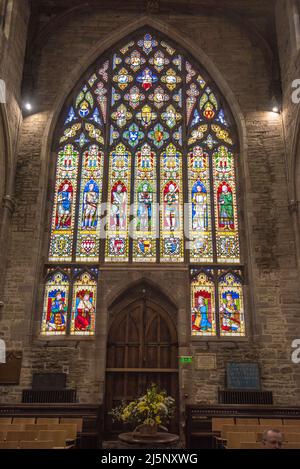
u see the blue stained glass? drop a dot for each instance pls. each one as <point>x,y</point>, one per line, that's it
<point>210,142</point>
<point>96,117</point>
<point>221,118</point>
<point>133,135</point>
<point>147,78</point>
<point>71,115</point>
<point>147,43</point>
<point>196,118</point>
<point>114,97</point>
<point>82,140</point>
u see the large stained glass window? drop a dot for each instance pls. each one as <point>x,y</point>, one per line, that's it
<point>146,173</point>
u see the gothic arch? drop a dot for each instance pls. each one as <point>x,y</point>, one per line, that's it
<point>5,153</point>
<point>293,171</point>
<point>142,287</point>
<point>197,55</point>
<point>201,57</point>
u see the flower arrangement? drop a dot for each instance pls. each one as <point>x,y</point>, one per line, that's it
<point>153,408</point>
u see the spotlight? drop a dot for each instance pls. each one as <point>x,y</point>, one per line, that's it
<point>28,106</point>
<point>275,105</point>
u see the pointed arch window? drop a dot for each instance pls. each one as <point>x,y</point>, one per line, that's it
<point>146,167</point>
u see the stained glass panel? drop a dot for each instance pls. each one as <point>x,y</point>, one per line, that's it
<point>203,304</point>
<point>227,237</point>
<point>84,305</point>
<point>55,310</point>
<point>117,246</point>
<point>231,304</point>
<point>88,236</point>
<point>63,215</point>
<point>201,249</point>
<point>171,205</point>
<point>145,199</point>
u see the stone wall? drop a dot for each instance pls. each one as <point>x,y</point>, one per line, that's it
<point>13,37</point>
<point>272,291</point>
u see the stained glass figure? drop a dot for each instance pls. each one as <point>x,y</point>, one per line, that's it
<point>123,78</point>
<point>101,94</point>
<point>171,205</point>
<point>225,206</point>
<point>192,94</point>
<point>119,202</point>
<point>147,79</point>
<point>144,244</point>
<point>54,320</point>
<point>159,97</point>
<point>203,317</point>
<point>200,206</point>
<point>171,117</point>
<point>159,61</point>
<point>135,60</point>
<point>171,79</point>
<point>62,231</point>
<point>134,97</point>
<point>121,115</point>
<point>231,305</point>
<point>84,305</point>
<point>88,237</point>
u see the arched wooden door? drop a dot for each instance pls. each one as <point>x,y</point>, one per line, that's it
<point>142,349</point>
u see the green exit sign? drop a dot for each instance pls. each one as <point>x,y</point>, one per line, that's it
<point>186,359</point>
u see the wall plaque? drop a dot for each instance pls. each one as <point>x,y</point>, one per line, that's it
<point>47,381</point>
<point>243,376</point>
<point>11,370</point>
<point>205,361</point>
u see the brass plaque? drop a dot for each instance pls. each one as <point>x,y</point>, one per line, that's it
<point>205,361</point>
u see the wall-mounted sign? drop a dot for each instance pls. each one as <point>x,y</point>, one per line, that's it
<point>11,370</point>
<point>205,361</point>
<point>243,376</point>
<point>186,359</point>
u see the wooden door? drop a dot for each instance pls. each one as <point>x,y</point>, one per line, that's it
<point>142,349</point>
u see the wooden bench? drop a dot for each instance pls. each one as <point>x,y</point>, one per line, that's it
<point>204,423</point>
<point>84,423</point>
